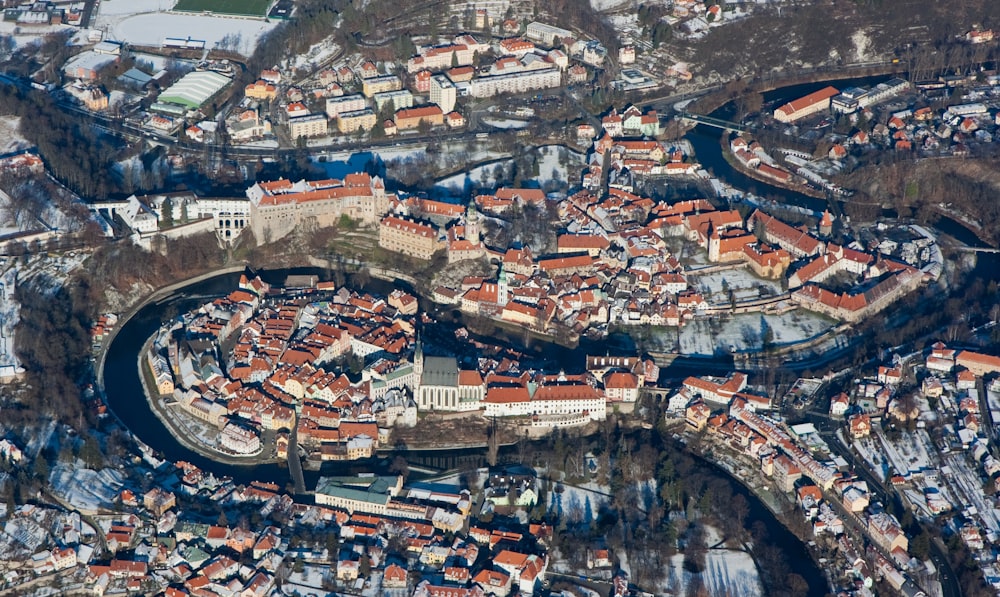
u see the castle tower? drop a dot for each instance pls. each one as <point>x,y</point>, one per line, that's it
<point>472,224</point>
<point>826,224</point>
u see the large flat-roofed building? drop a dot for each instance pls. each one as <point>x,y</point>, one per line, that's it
<point>443,93</point>
<point>520,82</point>
<point>817,101</point>
<point>349,122</point>
<point>373,85</point>
<point>195,89</point>
<point>408,237</point>
<point>546,34</point>
<point>348,103</point>
<point>358,494</point>
<point>400,99</point>
<point>277,207</point>
<point>310,125</point>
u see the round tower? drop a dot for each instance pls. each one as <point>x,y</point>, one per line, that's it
<point>472,233</point>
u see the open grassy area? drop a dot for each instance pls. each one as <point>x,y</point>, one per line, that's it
<point>256,8</point>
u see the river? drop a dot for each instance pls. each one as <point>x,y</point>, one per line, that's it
<point>125,395</point>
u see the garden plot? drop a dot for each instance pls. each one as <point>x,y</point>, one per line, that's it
<point>911,454</point>
<point>869,451</point>
<point>965,481</point>
<point>742,282</point>
<point>85,489</point>
<point>706,336</point>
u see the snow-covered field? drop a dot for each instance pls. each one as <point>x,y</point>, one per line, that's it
<point>85,488</point>
<point>554,163</point>
<point>741,281</point>
<point>727,572</point>
<point>744,332</point>
<point>146,23</point>
<point>506,123</point>
<point>24,36</point>
<point>9,317</point>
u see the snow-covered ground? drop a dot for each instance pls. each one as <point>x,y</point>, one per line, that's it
<point>143,23</point>
<point>84,488</point>
<point>744,332</point>
<point>24,36</point>
<point>965,481</point>
<point>744,284</point>
<point>727,572</point>
<point>316,54</point>
<point>602,5</point>
<point>554,163</point>
<point>13,273</point>
<point>10,139</point>
<point>9,318</point>
<point>506,123</point>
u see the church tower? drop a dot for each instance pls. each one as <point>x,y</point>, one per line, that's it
<point>418,362</point>
<point>713,243</point>
<point>503,292</point>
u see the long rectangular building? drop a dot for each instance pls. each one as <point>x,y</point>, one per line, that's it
<point>806,106</point>
<point>520,82</point>
<point>408,237</point>
<point>277,207</point>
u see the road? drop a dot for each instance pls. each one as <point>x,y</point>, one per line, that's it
<point>825,426</point>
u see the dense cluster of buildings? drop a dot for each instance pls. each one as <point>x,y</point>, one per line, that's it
<point>361,96</point>
<point>279,374</point>
<point>911,123</point>
<point>915,430</point>
<point>368,531</point>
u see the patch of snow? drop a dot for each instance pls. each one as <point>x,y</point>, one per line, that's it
<point>506,123</point>
<point>318,53</point>
<point>727,572</point>
<point>149,29</point>
<point>10,139</point>
<point>603,5</point>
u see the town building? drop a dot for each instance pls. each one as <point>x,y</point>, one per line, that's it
<point>815,102</point>
<point>311,125</point>
<point>277,207</point>
<point>442,92</point>
<point>411,118</point>
<point>408,237</point>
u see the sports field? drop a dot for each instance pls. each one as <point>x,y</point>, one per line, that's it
<point>257,8</point>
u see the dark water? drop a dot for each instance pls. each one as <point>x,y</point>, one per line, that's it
<point>125,398</point>
<point>794,550</point>
<point>705,141</point>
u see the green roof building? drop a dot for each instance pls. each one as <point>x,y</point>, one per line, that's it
<point>195,89</point>
<point>367,493</point>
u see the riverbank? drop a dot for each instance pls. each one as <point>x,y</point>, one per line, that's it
<point>803,189</point>
<point>181,430</point>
